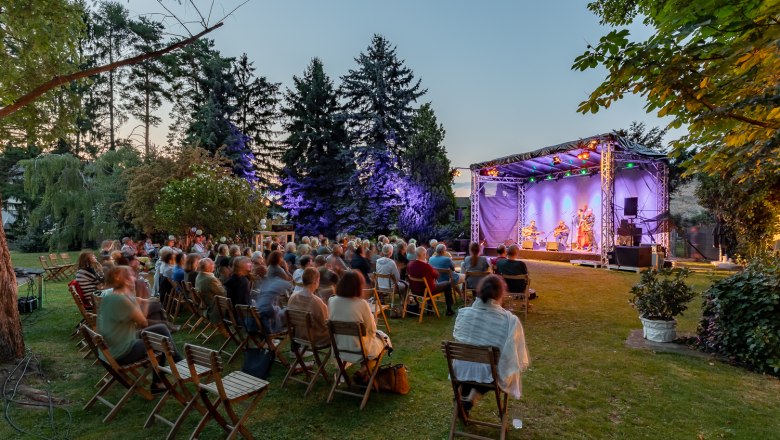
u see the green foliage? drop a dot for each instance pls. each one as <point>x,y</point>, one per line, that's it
<point>145,183</point>
<point>740,316</point>
<point>79,203</point>
<point>38,40</point>
<point>211,199</point>
<point>711,66</point>
<point>662,294</point>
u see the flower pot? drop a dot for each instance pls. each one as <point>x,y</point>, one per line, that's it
<point>659,331</point>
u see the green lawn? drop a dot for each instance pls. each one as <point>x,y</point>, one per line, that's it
<point>583,382</point>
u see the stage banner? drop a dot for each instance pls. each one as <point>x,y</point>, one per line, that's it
<point>498,213</point>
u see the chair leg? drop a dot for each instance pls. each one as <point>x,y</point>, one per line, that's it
<point>454,420</point>
<point>320,371</point>
<point>372,379</point>
<point>193,403</point>
<point>100,393</point>
<point>238,423</point>
<point>156,410</point>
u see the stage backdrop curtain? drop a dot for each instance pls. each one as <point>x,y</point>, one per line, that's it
<point>498,213</point>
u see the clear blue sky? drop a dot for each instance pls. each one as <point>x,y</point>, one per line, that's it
<point>497,73</point>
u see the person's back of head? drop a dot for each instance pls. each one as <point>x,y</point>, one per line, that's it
<point>179,258</point>
<point>239,266</point>
<point>222,250</point>
<point>474,251</point>
<point>235,251</point>
<point>350,285</point>
<point>433,243</point>
<point>440,249</point>
<point>115,278</point>
<point>387,250</point>
<point>320,261</point>
<point>290,247</point>
<point>421,253</point>
<point>513,251</point>
<point>305,261</point>
<point>491,287</point>
<point>192,262</point>
<point>206,265</point>
<point>310,276</point>
<point>501,250</point>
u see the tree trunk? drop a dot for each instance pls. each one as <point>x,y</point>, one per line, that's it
<point>147,116</point>
<point>112,145</point>
<point>11,336</point>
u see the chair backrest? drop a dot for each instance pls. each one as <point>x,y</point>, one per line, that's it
<point>54,260</point>
<point>475,274</point>
<point>194,294</point>
<point>245,313</point>
<point>90,319</point>
<point>299,322</point>
<point>206,358</point>
<point>65,257</point>
<point>74,292</point>
<point>470,353</point>
<point>225,309</point>
<point>525,278</point>
<point>420,280</point>
<point>44,262</point>
<point>98,346</point>
<point>344,328</point>
<point>391,282</point>
<point>156,343</point>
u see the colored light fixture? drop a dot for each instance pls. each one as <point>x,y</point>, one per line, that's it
<point>583,171</point>
<point>630,165</point>
<point>556,160</point>
<point>568,174</point>
<point>532,179</point>
<point>549,177</point>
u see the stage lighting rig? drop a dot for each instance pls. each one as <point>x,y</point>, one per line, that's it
<point>593,144</point>
<point>556,160</point>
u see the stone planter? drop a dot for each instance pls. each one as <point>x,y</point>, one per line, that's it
<point>659,331</point>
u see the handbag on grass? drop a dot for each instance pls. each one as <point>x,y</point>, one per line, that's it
<point>258,362</point>
<point>393,378</point>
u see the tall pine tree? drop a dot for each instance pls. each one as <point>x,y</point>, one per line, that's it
<point>257,113</point>
<point>429,200</point>
<point>379,96</point>
<point>317,164</point>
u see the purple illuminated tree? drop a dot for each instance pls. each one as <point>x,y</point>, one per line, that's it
<point>317,164</point>
<point>379,94</point>
<point>237,150</point>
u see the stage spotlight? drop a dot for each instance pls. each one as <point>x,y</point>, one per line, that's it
<point>568,174</point>
<point>592,144</point>
<point>556,160</point>
<point>583,171</point>
<point>532,179</point>
<point>630,165</point>
<point>549,177</point>
<point>584,155</point>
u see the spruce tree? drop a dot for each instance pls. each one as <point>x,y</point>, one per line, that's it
<point>257,112</point>
<point>317,164</point>
<point>429,201</point>
<point>379,96</point>
<point>215,96</point>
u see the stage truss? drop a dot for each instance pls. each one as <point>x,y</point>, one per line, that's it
<point>610,160</point>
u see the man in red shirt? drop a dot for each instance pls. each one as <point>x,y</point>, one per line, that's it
<point>420,268</point>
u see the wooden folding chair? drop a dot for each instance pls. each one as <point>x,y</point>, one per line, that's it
<point>133,377</point>
<point>52,273</point>
<point>202,316</point>
<point>68,269</point>
<point>300,322</point>
<point>516,301</point>
<point>229,328</point>
<point>229,390</point>
<point>175,376</point>
<point>261,337</point>
<point>377,308</point>
<point>391,291</point>
<point>482,355</point>
<point>192,304</point>
<point>173,300</point>
<point>422,300</point>
<point>358,330</point>
<point>457,284</point>
<point>466,290</point>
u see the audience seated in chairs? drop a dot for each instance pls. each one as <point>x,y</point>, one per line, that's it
<point>360,262</point>
<point>328,278</point>
<point>486,323</point>
<point>419,268</point>
<point>513,266</point>
<point>277,283</point>
<point>443,260</point>
<point>89,276</point>
<point>238,287</point>
<point>474,263</point>
<point>349,306</point>
<point>120,317</point>
<point>191,267</point>
<point>306,300</point>
<point>177,273</point>
<point>387,266</point>
<point>209,286</point>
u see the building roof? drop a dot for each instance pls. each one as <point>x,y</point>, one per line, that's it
<point>541,162</point>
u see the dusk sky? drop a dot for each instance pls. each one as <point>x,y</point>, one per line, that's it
<point>498,73</point>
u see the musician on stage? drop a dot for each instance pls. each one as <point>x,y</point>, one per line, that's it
<point>585,237</point>
<point>561,232</point>
<point>530,232</point>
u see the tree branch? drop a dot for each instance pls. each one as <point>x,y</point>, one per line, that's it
<point>64,79</point>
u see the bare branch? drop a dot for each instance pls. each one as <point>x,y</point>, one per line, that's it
<point>232,11</point>
<point>174,16</point>
<point>202,19</point>
<point>64,79</point>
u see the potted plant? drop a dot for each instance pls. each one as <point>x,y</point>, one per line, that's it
<point>659,296</point>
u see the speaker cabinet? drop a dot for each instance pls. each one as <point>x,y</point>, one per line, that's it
<point>528,245</point>
<point>553,246</point>
<point>630,207</point>
<point>633,256</point>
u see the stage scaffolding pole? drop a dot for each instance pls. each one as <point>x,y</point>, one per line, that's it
<point>662,204</point>
<point>607,200</point>
<point>475,184</point>
<point>520,211</point>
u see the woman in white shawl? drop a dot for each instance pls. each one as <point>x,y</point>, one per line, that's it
<point>487,323</point>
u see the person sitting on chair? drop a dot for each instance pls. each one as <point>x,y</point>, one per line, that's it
<point>474,263</point>
<point>486,323</point>
<point>442,260</point>
<point>419,268</point>
<point>209,286</point>
<point>513,266</point>
<point>561,232</point>
<point>386,266</point>
<point>306,300</point>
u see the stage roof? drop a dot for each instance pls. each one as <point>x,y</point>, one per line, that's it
<point>540,162</point>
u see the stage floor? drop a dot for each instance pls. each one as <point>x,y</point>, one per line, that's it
<point>545,255</point>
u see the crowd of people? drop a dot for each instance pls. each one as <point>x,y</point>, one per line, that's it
<point>325,278</point>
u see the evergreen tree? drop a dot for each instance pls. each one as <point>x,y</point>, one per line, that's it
<point>110,36</point>
<point>209,127</point>
<point>240,155</point>
<point>257,112</point>
<point>379,96</point>
<point>317,163</point>
<point>429,201</point>
<point>147,80</point>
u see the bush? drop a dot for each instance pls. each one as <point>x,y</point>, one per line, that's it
<point>662,295</point>
<point>741,317</point>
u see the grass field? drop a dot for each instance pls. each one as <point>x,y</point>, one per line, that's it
<point>583,382</point>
